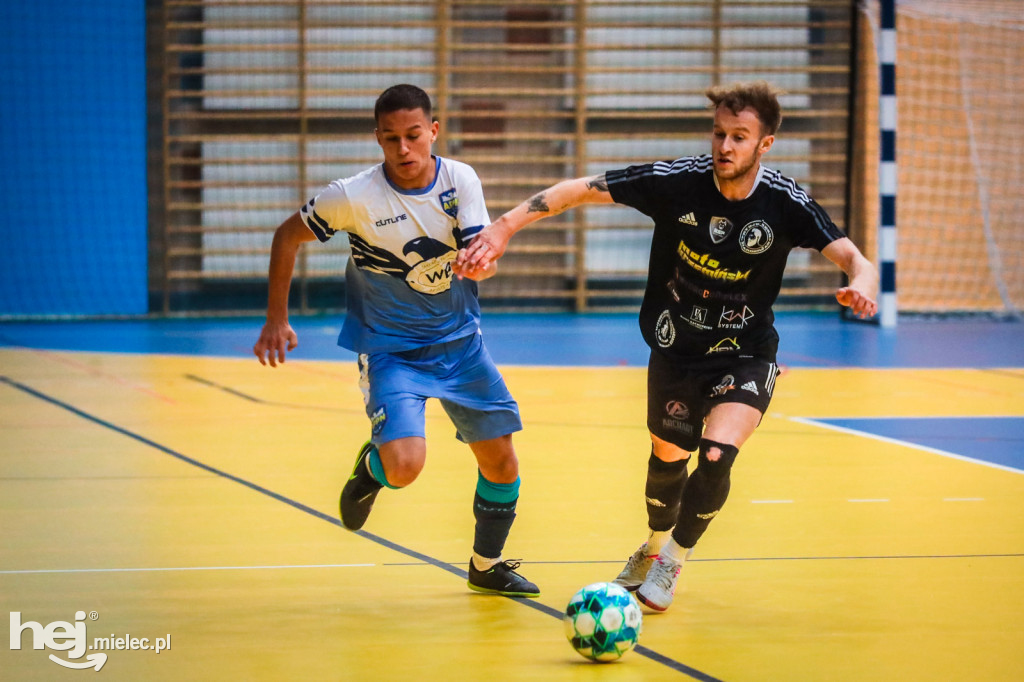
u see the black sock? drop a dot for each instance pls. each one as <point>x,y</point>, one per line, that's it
<point>664,490</point>
<point>493,523</point>
<point>705,493</point>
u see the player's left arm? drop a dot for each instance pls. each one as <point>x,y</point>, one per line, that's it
<point>490,244</point>
<point>861,293</point>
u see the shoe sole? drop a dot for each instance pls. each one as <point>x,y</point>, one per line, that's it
<point>355,467</point>
<point>652,605</point>
<point>487,590</point>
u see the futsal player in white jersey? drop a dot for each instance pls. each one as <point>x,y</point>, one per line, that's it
<point>413,318</point>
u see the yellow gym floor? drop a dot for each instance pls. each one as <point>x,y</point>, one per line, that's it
<point>194,498</point>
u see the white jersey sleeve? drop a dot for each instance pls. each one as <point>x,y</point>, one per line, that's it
<point>329,212</point>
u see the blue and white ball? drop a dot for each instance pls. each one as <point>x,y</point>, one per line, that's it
<point>602,621</point>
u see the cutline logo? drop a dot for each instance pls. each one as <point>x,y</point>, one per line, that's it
<point>72,637</point>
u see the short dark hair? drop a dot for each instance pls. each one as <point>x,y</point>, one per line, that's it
<point>401,96</point>
<point>759,96</point>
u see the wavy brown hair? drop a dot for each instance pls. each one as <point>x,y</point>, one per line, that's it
<point>759,96</point>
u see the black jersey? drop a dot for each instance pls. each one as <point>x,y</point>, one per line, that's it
<point>716,265</point>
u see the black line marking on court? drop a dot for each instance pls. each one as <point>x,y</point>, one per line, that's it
<point>226,389</point>
<point>543,608</point>
<point>270,403</point>
<point>296,406</point>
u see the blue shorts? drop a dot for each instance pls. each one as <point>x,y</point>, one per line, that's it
<point>460,373</point>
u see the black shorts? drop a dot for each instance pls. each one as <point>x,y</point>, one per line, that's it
<point>680,395</point>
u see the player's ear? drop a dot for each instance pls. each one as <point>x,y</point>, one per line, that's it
<point>766,143</point>
<point>435,126</point>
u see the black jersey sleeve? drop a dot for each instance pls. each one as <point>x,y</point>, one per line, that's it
<point>815,228</point>
<point>812,227</point>
<point>651,187</point>
<point>635,186</point>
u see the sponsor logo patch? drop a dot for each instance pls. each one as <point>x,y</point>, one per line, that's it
<point>724,346</point>
<point>394,220</point>
<point>378,419</point>
<point>727,383</point>
<point>664,330</point>
<point>698,318</point>
<point>756,237</point>
<point>432,276</point>
<point>708,266</point>
<point>735,319</point>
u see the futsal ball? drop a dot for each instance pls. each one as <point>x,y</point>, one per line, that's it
<point>602,621</point>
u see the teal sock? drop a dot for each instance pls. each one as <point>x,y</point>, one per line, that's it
<point>497,492</point>
<point>377,469</point>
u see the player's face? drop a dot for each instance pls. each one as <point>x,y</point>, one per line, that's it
<point>737,143</point>
<point>406,136</point>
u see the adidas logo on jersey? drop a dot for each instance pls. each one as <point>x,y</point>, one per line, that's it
<point>688,219</point>
<point>750,386</point>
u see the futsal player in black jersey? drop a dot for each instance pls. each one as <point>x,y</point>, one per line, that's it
<point>723,228</point>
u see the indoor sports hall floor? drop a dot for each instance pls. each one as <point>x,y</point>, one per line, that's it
<point>157,482</point>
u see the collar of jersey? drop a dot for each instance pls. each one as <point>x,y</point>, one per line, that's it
<point>413,192</point>
<point>757,183</point>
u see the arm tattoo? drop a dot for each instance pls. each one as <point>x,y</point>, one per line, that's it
<point>538,204</point>
<point>598,182</point>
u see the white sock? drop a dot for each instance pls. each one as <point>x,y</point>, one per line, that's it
<point>676,552</point>
<point>483,563</point>
<point>657,539</point>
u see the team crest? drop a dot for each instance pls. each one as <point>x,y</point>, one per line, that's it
<point>449,202</point>
<point>756,237</point>
<point>720,229</point>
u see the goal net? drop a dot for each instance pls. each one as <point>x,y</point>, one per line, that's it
<point>960,205</point>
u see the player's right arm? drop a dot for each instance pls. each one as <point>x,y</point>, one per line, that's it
<point>277,336</point>
<point>489,245</point>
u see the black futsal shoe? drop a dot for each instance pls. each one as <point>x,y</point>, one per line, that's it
<point>359,492</point>
<point>501,578</point>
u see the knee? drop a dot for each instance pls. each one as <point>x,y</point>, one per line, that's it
<point>496,459</point>
<point>716,459</point>
<point>400,474</point>
<point>666,451</point>
<point>504,470</point>
<point>402,462</point>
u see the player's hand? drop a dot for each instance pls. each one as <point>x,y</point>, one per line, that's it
<point>276,338</point>
<point>486,247</point>
<point>475,274</point>
<point>863,306</point>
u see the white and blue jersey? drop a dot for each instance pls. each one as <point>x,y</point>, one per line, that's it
<point>401,293</point>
